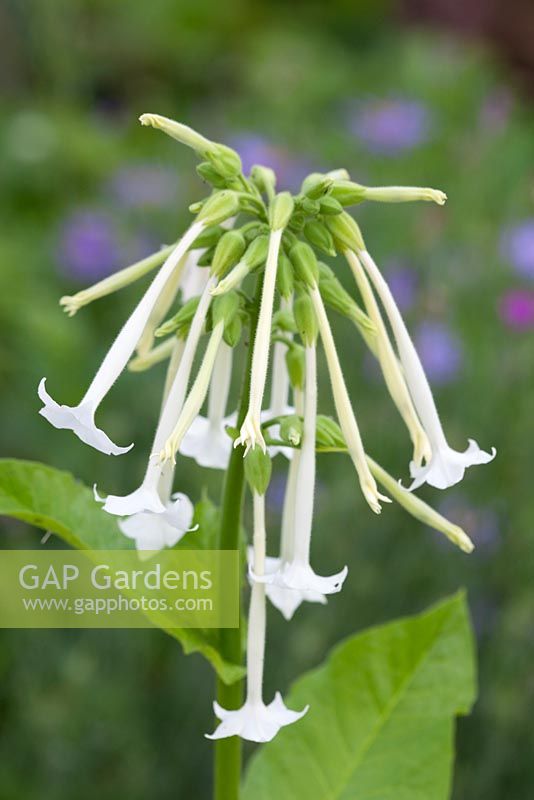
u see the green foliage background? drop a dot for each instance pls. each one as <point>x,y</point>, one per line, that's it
<point>123,713</point>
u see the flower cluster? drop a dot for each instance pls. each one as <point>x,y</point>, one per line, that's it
<point>247,235</point>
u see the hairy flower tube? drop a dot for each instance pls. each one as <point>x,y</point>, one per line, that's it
<point>245,278</point>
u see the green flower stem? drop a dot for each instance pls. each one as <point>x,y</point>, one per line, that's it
<point>228,752</point>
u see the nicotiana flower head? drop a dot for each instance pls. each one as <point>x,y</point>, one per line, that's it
<point>246,279</point>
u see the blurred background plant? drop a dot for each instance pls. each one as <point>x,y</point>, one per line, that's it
<point>84,191</point>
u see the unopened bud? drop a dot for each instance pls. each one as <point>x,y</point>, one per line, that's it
<point>348,193</point>
<point>180,321</point>
<point>404,194</point>
<point>258,470</point>
<point>329,206</point>
<point>284,320</point>
<point>328,433</point>
<point>346,232</point>
<point>225,308</point>
<point>291,429</point>
<point>316,185</point>
<point>232,331</point>
<point>182,133</point>
<point>296,365</point>
<point>284,276</point>
<point>305,263</point>
<point>305,319</point>
<point>319,235</point>
<point>256,253</point>
<point>264,178</point>
<point>229,250</point>
<point>309,206</point>
<point>225,160</point>
<point>209,174</point>
<point>280,211</point>
<point>218,207</point>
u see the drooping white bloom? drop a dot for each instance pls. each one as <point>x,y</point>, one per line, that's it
<point>296,572</point>
<point>206,440</point>
<point>147,497</point>
<point>390,366</point>
<point>81,418</point>
<point>152,531</point>
<point>344,411</point>
<point>250,434</point>
<point>446,466</point>
<point>256,721</point>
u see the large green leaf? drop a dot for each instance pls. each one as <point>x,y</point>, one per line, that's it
<point>381,718</point>
<point>55,501</point>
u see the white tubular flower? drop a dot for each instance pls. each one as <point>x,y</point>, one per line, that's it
<point>446,466</point>
<point>256,721</point>
<point>207,440</point>
<point>81,418</point>
<point>147,497</point>
<point>344,411</point>
<point>152,531</point>
<point>250,434</point>
<point>297,573</point>
<point>195,398</point>
<point>390,366</point>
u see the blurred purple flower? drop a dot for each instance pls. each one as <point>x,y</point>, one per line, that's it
<point>440,351</point>
<point>403,283</point>
<point>144,185</point>
<point>391,126</point>
<point>89,247</point>
<point>496,110</point>
<point>255,149</point>
<point>517,247</point>
<point>517,309</point>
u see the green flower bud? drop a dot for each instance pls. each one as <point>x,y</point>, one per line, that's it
<point>208,237</point>
<point>328,433</point>
<point>209,174</point>
<point>253,229</point>
<point>296,365</point>
<point>233,331</point>
<point>288,240</point>
<point>316,185</point>
<point>264,178</point>
<point>305,263</point>
<point>180,321</point>
<point>258,469</point>
<point>229,250</point>
<point>335,296</point>
<point>280,211</point>
<point>218,207</point>
<point>195,208</point>
<point>346,232</point>
<point>309,206</point>
<point>298,220</point>
<point>348,193</point>
<point>225,308</point>
<point>256,253</point>
<point>284,276</point>
<point>182,133</point>
<point>225,160</point>
<point>328,205</point>
<point>284,320</point>
<point>305,319</point>
<point>325,272</point>
<point>291,429</point>
<point>319,235</point>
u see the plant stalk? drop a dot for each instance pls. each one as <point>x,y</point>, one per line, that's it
<point>228,752</point>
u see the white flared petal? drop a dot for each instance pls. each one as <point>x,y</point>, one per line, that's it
<point>210,446</point>
<point>447,466</point>
<point>250,434</point>
<point>142,499</point>
<point>302,578</point>
<point>154,531</point>
<point>79,419</point>
<point>285,600</point>
<point>255,722</point>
